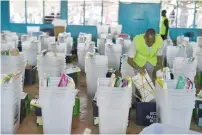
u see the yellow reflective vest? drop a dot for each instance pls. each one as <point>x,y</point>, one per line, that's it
<point>142,52</point>
<point>162,26</point>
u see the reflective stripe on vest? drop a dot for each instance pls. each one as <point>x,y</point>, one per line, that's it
<point>162,26</point>
<point>142,53</point>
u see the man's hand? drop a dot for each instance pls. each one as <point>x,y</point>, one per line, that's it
<point>141,70</point>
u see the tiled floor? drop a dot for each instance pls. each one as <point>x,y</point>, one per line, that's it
<point>86,120</point>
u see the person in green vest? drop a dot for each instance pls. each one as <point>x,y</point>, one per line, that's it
<point>146,52</point>
<point>164,26</point>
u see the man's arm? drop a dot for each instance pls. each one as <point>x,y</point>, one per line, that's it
<point>131,55</point>
<point>160,62</point>
<point>131,63</point>
<point>166,23</point>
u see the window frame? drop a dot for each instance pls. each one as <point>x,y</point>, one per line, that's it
<point>177,12</point>
<point>194,20</point>
<point>84,14</point>
<point>83,24</point>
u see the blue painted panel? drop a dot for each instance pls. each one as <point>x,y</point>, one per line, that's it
<point>136,18</point>
<point>22,28</point>
<point>76,29</point>
<point>175,32</point>
<point>63,7</point>
<point>5,17</point>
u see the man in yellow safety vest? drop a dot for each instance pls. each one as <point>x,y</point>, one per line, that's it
<point>146,52</point>
<point>164,26</point>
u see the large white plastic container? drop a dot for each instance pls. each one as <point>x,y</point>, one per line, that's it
<point>198,55</point>
<point>44,41</point>
<point>114,53</point>
<point>166,43</point>
<point>82,49</point>
<point>101,45</point>
<point>57,108</point>
<point>11,37</point>
<point>95,67</point>
<point>10,106</point>
<point>7,45</point>
<point>57,60</point>
<point>182,67</point>
<point>126,69</point>
<point>171,54</point>
<point>114,104</point>
<point>199,61</point>
<point>52,71</point>
<point>199,41</point>
<point>13,64</point>
<point>158,128</point>
<point>58,47</point>
<point>175,106</point>
<point>102,29</point>
<point>125,44</point>
<point>115,30</point>
<point>68,41</point>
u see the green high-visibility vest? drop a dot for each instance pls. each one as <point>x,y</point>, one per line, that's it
<point>162,26</point>
<point>142,53</point>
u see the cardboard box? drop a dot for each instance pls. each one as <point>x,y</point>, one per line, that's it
<point>58,29</point>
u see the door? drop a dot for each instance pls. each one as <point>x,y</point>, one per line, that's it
<point>136,18</point>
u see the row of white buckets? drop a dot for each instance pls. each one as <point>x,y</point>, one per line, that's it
<point>96,66</point>
<point>112,51</point>
<point>10,106</point>
<point>56,102</point>
<point>114,104</point>
<point>57,107</point>
<point>175,106</point>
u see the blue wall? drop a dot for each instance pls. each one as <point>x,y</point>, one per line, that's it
<point>75,29</point>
